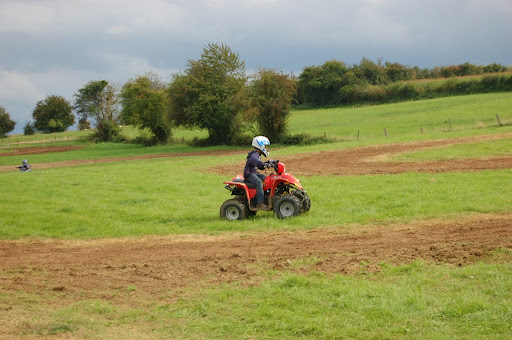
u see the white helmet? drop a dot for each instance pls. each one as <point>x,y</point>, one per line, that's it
<point>259,143</point>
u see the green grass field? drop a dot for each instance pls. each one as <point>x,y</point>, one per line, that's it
<point>501,147</point>
<point>414,301</point>
<point>470,115</point>
<point>181,196</point>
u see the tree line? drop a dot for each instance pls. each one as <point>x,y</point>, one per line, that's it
<point>214,93</point>
<point>335,83</point>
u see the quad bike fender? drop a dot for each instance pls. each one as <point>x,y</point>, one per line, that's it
<point>249,193</point>
<point>286,179</point>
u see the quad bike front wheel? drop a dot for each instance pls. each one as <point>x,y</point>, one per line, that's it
<point>287,206</point>
<point>232,210</point>
<point>306,204</point>
<point>304,198</point>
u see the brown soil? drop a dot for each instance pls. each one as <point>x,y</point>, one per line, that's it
<point>38,150</point>
<point>372,160</point>
<point>128,271</point>
<point>355,161</point>
<point>36,166</point>
<point>163,265</point>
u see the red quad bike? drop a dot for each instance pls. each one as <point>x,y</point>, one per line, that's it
<point>283,194</point>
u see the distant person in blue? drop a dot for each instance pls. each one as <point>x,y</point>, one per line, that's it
<point>252,165</point>
<point>25,166</point>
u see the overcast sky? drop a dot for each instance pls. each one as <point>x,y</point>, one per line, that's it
<point>54,47</point>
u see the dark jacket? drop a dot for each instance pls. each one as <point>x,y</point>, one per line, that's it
<point>253,162</point>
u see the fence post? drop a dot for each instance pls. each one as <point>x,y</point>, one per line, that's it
<point>498,119</point>
<point>385,132</point>
<point>357,134</point>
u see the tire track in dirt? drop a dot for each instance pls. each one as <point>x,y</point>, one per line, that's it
<point>355,161</point>
<point>158,265</point>
<point>78,162</point>
<point>38,150</point>
<point>367,160</point>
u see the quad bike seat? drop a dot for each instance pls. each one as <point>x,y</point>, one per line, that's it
<point>249,185</point>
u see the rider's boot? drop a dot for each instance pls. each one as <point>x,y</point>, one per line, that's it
<point>261,206</point>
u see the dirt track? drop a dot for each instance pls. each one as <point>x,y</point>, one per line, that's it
<point>372,160</point>
<point>355,161</point>
<point>38,150</point>
<point>156,265</point>
<point>78,162</point>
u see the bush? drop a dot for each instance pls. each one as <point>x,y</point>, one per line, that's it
<point>301,139</point>
<point>467,87</point>
<point>407,92</point>
<point>107,131</point>
<point>333,83</point>
<point>6,123</point>
<point>83,124</point>
<point>29,129</point>
<point>376,94</point>
<point>505,83</point>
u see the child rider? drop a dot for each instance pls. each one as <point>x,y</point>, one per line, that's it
<point>25,166</point>
<point>253,163</point>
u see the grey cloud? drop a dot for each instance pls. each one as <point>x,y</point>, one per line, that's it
<point>55,46</point>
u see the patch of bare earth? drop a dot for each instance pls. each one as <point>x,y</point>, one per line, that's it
<point>372,160</point>
<point>39,150</point>
<point>37,166</point>
<point>356,161</point>
<point>159,266</point>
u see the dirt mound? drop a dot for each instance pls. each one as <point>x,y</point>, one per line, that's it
<point>157,265</point>
<point>371,160</point>
<point>38,150</point>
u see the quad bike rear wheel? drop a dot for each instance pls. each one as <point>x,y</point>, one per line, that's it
<point>287,206</point>
<point>232,210</point>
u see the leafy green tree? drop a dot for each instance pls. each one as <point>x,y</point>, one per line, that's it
<point>271,95</point>
<point>53,114</point>
<point>99,100</point>
<point>29,129</point>
<point>6,123</point>
<point>371,72</point>
<point>397,72</point>
<point>144,104</point>
<point>450,71</point>
<point>83,124</point>
<point>320,85</point>
<point>468,69</point>
<point>209,94</point>
<point>494,67</point>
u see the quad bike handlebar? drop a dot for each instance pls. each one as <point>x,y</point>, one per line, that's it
<point>272,164</point>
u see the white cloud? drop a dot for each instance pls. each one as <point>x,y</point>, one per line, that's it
<point>16,86</point>
<point>118,30</point>
<point>25,17</point>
